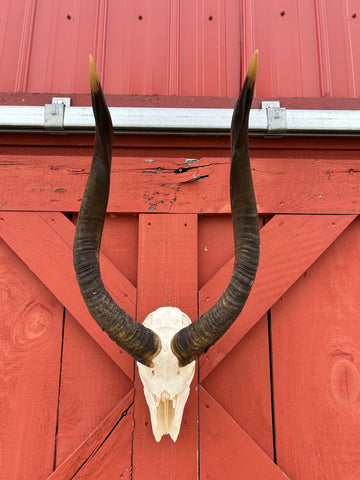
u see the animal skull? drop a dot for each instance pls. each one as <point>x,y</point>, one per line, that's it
<point>167,344</point>
<point>166,385</point>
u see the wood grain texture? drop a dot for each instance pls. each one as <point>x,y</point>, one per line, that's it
<point>167,277</point>
<point>241,382</point>
<point>44,242</point>
<point>91,383</point>
<point>241,386</point>
<point>316,364</point>
<point>106,453</point>
<point>289,245</point>
<point>30,355</point>
<point>181,185</point>
<point>225,449</point>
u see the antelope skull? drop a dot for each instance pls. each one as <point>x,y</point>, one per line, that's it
<point>167,344</point>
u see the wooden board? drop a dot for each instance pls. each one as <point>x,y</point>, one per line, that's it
<point>181,185</point>
<point>245,371</point>
<point>167,276</point>
<point>316,363</point>
<point>241,385</point>
<point>30,362</point>
<point>106,453</point>
<point>225,449</point>
<point>91,383</point>
<point>289,245</point>
<point>44,242</point>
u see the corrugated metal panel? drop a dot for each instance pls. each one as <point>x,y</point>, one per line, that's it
<point>308,48</point>
<point>167,47</point>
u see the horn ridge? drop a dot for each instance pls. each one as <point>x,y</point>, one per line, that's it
<point>136,339</point>
<point>190,342</point>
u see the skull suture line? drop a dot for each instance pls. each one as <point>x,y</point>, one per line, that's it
<point>167,344</point>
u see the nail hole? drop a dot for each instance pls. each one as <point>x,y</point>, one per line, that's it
<point>149,223</point>
<point>211,18</point>
<point>140,17</point>
<point>68,16</point>
<point>185,224</point>
<point>354,15</point>
<point>282,13</point>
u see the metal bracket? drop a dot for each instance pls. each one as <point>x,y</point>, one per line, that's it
<point>276,117</point>
<point>54,113</point>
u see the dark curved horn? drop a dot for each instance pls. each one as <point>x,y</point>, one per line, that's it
<point>192,341</point>
<point>140,342</point>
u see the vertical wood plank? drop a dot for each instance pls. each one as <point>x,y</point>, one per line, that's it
<point>167,276</point>
<point>316,364</point>
<point>245,372</point>
<point>30,340</point>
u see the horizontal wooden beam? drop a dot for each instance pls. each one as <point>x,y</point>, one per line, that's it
<point>181,185</point>
<point>290,244</point>
<point>44,241</point>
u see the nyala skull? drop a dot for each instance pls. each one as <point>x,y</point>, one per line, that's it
<point>167,344</point>
<point>166,384</point>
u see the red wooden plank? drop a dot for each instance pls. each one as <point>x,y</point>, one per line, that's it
<point>119,243</point>
<point>44,243</point>
<point>91,383</point>
<point>289,245</point>
<point>226,451</point>
<point>167,277</point>
<point>316,365</point>
<point>230,385</point>
<point>30,344</point>
<point>106,453</point>
<point>245,374</point>
<point>180,185</point>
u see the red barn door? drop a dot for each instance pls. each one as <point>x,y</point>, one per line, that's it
<point>282,382</point>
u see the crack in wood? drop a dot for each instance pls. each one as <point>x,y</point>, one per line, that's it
<point>98,447</point>
<point>177,171</point>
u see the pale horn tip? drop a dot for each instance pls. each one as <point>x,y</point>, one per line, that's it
<point>94,77</point>
<point>251,73</point>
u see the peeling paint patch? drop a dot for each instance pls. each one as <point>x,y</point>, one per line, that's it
<point>58,190</point>
<point>190,161</point>
<point>149,160</point>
